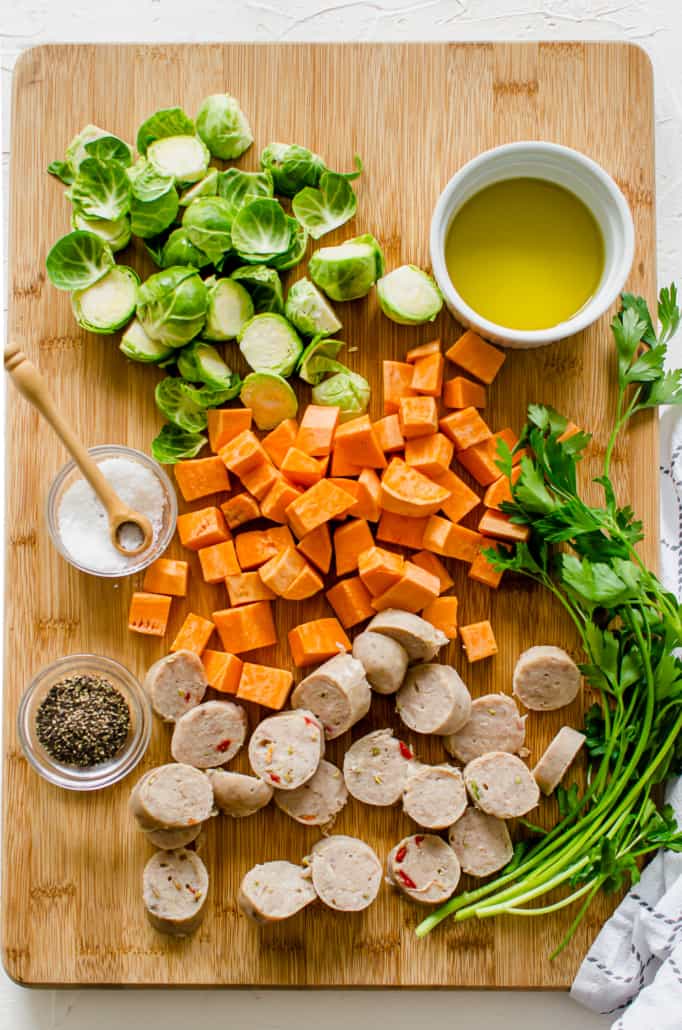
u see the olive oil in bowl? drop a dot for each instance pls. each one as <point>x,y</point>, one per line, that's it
<point>525,253</point>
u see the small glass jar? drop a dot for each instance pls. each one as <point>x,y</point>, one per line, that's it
<point>70,473</point>
<point>105,774</point>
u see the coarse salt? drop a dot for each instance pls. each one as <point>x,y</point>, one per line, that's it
<point>83,523</point>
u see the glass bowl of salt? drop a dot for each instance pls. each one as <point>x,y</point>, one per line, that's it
<point>78,523</point>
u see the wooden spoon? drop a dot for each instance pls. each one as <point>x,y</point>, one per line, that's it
<point>31,384</point>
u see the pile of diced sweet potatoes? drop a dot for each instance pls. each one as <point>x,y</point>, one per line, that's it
<point>329,497</point>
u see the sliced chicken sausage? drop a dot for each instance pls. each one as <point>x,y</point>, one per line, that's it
<point>172,797</point>
<point>501,784</point>
<point>174,890</point>
<point>421,640</point>
<point>169,840</point>
<point>317,802</point>
<point>375,768</point>
<point>546,678</point>
<point>285,749</point>
<point>238,795</point>
<point>433,699</point>
<point>346,873</point>
<point>424,867</point>
<point>559,755</point>
<point>338,693</point>
<point>481,842</point>
<point>210,734</point>
<point>274,891</point>
<point>434,796</point>
<point>175,684</point>
<point>495,724</point>
<point>384,660</point>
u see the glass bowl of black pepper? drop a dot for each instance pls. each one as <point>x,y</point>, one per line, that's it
<point>84,722</point>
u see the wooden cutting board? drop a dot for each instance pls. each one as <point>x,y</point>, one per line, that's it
<point>72,865</point>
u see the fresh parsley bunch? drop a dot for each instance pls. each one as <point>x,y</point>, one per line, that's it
<point>630,628</point>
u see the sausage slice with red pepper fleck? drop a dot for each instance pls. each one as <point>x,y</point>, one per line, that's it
<point>433,699</point>
<point>172,797</point>
<point>210,734</point>
<point>338,693</point>
<point>424,867</point>
<point>285,749</point>
<point>346,873</point>
<point>375,768</point>
<point>500,784</point>
<point>274,891</point>
<point>434,795</point>
<point>176,683</point>
<point>317,802</point>
<point>481,842</point>
<point>238,795</point>
<point>174,890</point>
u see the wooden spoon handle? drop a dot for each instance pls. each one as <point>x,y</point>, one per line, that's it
<point>32,385</point>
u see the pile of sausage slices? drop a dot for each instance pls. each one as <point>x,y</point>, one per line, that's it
<point>394,655</point>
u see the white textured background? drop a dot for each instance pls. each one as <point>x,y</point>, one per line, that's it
<point>654,24</point>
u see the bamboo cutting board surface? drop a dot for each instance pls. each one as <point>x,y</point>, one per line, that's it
<point>72,865</point>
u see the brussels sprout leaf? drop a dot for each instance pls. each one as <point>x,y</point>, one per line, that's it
<point>101,189</point>
<point>321,210</point>
<point>240,188</point>
<point>78,260</point>
<point>261,230</point>
<point>61,170</point>
<point>172,121</point>
<point>174,444</point>
<point>110,148</point>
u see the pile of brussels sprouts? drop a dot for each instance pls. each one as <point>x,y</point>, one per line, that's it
<point>221,238</point>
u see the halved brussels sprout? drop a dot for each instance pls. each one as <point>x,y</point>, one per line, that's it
<point>317,359</point>
<point>229,307</point>
<point>326,208</point>
<point>78,260</point>
<point>179,408</point>
<point>270,399</point>
<point>264,285</point>
<point>296,249</point>
<point>308,310</point>
<point>409,296</point>
<point>349,270</point>
<point>345,390</point>
<point>292,167</point>
<point>261,230</point>
<point>207,223</point>
<point>115,234</point>
<point>206,187</point>
<point>179,250</point>
<point>109,303</point>
<point>171,305</point>
<point>137,346</point>
<point>101,190</point>
<point>170,121</point>
<point>174,444</point>
<point>186,158</point>
<point>223,127</point>
<point>270,344</point>
<point>76,152</point>
<point>154,200</point>
<point>200,362</point>
<point>239,188</point>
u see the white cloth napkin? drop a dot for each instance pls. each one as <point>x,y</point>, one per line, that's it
<point>634,968</point>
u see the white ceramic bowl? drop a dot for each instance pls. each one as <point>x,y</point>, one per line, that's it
<point>567,168</point>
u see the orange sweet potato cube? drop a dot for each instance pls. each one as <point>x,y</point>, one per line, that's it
<point>380,569</point>
<point>414,590</point>
<point>482,570</point>
<point>316,641</point>
<point>194,634</point>
<point>475,356</point>
<point>500,491</point>
<point>201,477</point>
<point>222,670</point>
<point>397,380</point>
<point>317,547</point>
<point>307,584</point>
<point>240,509</point>
<point>481,459</point>
<point>246,628</point>
<point>368,504</point>
<point>278,498</point>
<point>351,601</point>
<point>226,423</point>
<point>202,528</point>
<point>478,641</point>
<point>461,392</point>
<point>401,529</point>
<point>388,433</point>
<point>465,428</point>
<point>166,576</point>
<point>247,587</point>
<point>316,432</point>
<point>218,561</point>
<point>451,540</point>
<point>350,540</point>
<point>427,377</point>
<point>318,504</point>
<point>257,546</point>
<point>498,524</point>
<point>424,350</point>
<point>462,499</point>
<point>149,613</point>
<point>429,454</point>
<point>243,453</point>
<point>418,416</point>
<point>442,613</point>
<point>259,479</point>
<point>428,561</point>
<point>301,468</point>
<point>264,685</point>
<point>280,439</point>
<point>359,444</point>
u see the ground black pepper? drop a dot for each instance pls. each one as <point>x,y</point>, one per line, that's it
<point>83,721</point>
